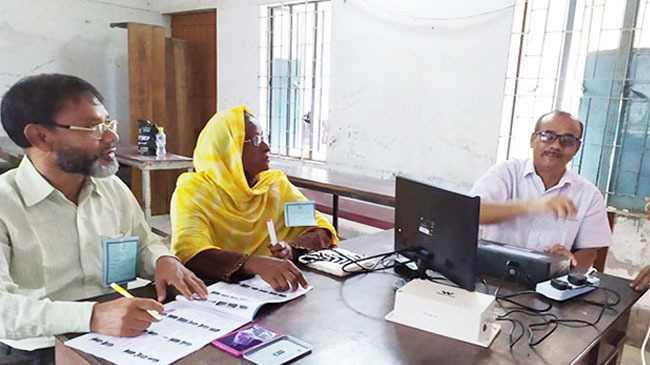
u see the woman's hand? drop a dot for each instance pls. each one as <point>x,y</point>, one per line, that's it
<point>281,250</point>
<point>282,275</point>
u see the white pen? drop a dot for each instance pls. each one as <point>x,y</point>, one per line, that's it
<point>271,228</point>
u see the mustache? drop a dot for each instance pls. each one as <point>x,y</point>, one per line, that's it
<point>552,153</point>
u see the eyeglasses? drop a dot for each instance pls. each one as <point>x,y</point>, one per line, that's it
<point>566,140</point>
<point>256,141</point>
<point>97,130</point>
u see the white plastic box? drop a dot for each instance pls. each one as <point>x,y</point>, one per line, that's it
<point>447,311</point>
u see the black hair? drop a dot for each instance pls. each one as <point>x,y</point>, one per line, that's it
<point>36,99</point>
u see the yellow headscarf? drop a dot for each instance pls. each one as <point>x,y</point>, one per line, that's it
<point>215,208</point>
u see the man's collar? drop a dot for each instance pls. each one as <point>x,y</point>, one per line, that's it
<point>566,179</point>
<point>530,168</point>
<point>34,188</point>
<point>32,185</point>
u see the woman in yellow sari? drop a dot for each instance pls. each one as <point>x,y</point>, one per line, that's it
<point>219,212</point>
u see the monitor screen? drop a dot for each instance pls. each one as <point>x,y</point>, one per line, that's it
<point>438,229</point>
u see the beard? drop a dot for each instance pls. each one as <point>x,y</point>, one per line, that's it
<point>76,161</point>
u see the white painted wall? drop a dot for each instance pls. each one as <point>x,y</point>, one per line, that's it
<point>73,37</point>
<point>414,96</point>
<point>418,97</point>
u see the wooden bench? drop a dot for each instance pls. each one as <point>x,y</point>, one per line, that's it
<point>370,214</point>
<point>365,200</point>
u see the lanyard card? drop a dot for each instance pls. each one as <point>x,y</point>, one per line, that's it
<point>120,259</point>
<point>300,214</point>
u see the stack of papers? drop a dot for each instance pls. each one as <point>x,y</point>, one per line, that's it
<point>187,326</point>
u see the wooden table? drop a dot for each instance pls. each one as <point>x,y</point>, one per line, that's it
<point>338,184</point>
<point>10,151</point>
<point>343,320</point>
<point>128,155</point>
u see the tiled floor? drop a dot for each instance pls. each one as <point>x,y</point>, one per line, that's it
<point>632,355</point>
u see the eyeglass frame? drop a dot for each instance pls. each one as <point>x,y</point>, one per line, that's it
<point>98,130</point>
<point>258,137</point>
<point>544,134</point>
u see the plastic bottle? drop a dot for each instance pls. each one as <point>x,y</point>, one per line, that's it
<point>161,141</point>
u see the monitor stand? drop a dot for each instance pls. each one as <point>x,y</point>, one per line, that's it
<point>410,270</point>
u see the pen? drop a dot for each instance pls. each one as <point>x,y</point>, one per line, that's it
<point>125,293</point>
<point>274,238</point>
<point>271,228</point>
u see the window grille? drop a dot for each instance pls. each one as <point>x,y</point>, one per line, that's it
<point>592,59</point>
<point>294,77</point>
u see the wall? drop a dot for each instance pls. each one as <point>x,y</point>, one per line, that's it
<point>414,96</point>
<point>630,251</point>
<point>73,36</point>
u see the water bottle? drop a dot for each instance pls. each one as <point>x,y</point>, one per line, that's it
<point>161,141</point>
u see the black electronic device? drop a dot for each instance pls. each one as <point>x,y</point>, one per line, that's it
<point>560,284</point>
<point>577,279</point>
<point>519,264</point>
<point>438,230</point>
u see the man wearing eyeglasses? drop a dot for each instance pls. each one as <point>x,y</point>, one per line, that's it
<point>538,204</point>
<point>57,207</point>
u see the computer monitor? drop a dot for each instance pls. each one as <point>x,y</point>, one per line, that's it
<point>437,229</point>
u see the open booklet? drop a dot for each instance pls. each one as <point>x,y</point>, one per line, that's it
<point>187,326</point>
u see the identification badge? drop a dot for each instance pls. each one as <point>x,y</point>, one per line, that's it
<point>120,259</point>
<point>300,214</point>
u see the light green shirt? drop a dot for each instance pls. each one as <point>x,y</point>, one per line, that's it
<point>51,252</point>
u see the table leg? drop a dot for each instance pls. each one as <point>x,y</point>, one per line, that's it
<point>335,211</point>
<point>146,193</point>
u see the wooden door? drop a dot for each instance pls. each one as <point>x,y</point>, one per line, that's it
<point>199,29</point>
<point>158,73</point>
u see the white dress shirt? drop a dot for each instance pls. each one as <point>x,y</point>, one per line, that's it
<point>516,180</point>
<point>51,252</point>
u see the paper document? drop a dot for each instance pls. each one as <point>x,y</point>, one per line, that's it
<point>243,299</point>
<point>187,326</point>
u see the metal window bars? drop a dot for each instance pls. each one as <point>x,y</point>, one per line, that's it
<point>294,77</point>
<point>590,58</point>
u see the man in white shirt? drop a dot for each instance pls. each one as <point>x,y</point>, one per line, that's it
<point>538,204</point>
<point>56,208</point>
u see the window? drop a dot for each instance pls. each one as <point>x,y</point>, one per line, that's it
<point>592,59</point>
<point>294,77</point>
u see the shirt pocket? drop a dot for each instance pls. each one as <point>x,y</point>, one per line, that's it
<point>550,231</point>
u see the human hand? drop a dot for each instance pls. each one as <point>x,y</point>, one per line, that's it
<point>124,317</point>
<point>560,206</point>
<point>169,271</point>
<point>642,279</point>
<point>281,250</point>
<point>280,274</point>
<point>316,239</point>
<point>562,251</point>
